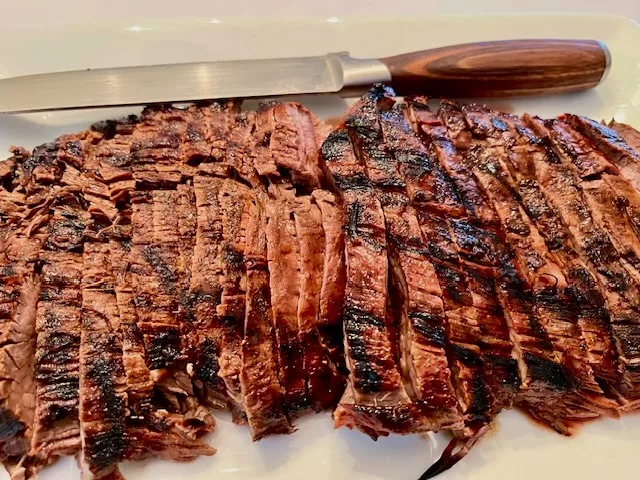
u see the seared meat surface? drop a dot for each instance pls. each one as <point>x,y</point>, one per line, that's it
<point>416,269</point>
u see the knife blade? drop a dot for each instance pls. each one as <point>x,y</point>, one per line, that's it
<point>501,68</point>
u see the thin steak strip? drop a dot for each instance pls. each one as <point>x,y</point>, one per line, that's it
<point>375,400</point>
<point>102,378</point>
<point>261,391</point>
<point>19,289</point>
<point>625,157</point>
<point>477,393</point>
<point>284,278</point>
<point>207,282</point>
<point>58,324</point>
<point>159,288</point>
<point>333,275</point>
<point>463,266</point>
<point>324,383</point>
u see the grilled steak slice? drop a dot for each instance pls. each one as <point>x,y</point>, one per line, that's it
<point>421,319</point>
<point>442,144</point>
<point>619,152</point>
<point>233,201</point>
<point>378,400</point>
<point>428,186</point>
<point>19,295</point>
<point>601,197</point>
<point>157,159</point>
<point>462,326</point>
<point>538,265</point>
<point>412,276</point>
<point>58,325</point>
<point>470,282</point>
<point>324,383</point>
<point>293,138</point>
<point>284,282</point>
<point>19,289</point>
<point>102,403</point>
<point>627,133</point>
<point>263,396</point>
<point>207,281</point>
<point>333,275</point>
<point>163,265</point>
<point>583,287</point>
<point>551,289</point>
<point>150,428</point>
<point>375,400</point>
<point>102,379</point>
<point>595,244</point>
<point>543,376</point>
<point>110,158</point>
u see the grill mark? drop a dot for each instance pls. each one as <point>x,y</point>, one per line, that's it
<point>159,337</point>
<point>433,131</point>
<point>19,291</point>
<point>102,397</point>
<point>426,183</point>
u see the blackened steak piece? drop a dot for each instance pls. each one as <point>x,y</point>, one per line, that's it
<point>292,135</point>
<point>150,428</point>
<point>420,322</point>
<point>102,378</point>
<point>439,140</point>
<point>375,400</point>
<point>284,282</point>
<point>616,275</point>
<point>163,312</point>
<point>582,283</point>
<point>465,269</point>
<point>390,384</point>
<point>207,281</point>
<point>627,133</point>
<point>324,382</point>
<point>427,184</point>
<point>555,334</point>
<point>19,289</point>
<point>624,156</point>
<point>59,325</point>
<point>333,275</point>
<point>476,395</point>
<point>261,391</point>
<point>551,289</point>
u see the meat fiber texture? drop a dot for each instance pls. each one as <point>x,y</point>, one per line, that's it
<point>412,270</point>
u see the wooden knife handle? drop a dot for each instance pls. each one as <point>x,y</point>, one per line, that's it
<point>502,68</point>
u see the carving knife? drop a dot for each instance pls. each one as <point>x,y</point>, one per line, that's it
<point>484,69</point>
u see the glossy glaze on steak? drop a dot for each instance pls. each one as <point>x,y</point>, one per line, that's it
<point>416,269</point>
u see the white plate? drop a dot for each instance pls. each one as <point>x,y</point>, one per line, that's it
<point>517,448</point>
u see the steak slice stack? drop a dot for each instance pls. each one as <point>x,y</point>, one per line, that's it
<point>19,290</point>
<point>419,270</point>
